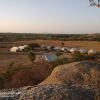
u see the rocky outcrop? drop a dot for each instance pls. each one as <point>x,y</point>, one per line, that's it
<point>58,92</point>
<point>53,92</point>
<point>74,81</point>
<point>84,73</point>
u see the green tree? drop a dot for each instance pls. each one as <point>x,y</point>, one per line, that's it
<point>32,46</point>
<point>31,56</point>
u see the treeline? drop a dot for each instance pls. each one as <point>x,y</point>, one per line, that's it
<point>7,37</point>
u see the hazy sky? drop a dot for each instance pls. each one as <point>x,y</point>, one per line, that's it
<point>57,16</point>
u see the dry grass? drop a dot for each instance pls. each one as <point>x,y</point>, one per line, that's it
<point>7,57</point>
<point>84,44</point>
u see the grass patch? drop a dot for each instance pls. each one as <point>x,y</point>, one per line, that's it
<point>80,57</point>
<point>60,62</point>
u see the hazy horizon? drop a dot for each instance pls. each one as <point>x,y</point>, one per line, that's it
<point>49,16</point>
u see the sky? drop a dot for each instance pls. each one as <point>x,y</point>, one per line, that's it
<point>49,16</point>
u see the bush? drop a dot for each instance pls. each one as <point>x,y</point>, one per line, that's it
<point>80,57</point>
<point>22,77</point>
<point>31,56</point>
<point>60,62</point>
<point>59,53</point>
<point>32,46</point>
<point>18,75</point>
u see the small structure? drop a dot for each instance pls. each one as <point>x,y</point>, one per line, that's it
<point>73,50</point>
<point>26,46</point>
<point>21,48</point>
<point>63,49</point>
<point>14,49</point>
<point>49,48</point>
<point>58,48</point>
<point>92,52</point>
<point>82,51</point>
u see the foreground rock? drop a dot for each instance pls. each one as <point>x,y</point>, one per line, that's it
<point>59,92</point>
<point>75,81</point>
<point>84,73</point>
<point>54,92</point>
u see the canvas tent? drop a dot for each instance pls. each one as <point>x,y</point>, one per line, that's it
<point>14,49</point>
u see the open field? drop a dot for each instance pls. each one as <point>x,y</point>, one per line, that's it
<point>18,66</point>
<point>80,44</point>
<point>6,57</point>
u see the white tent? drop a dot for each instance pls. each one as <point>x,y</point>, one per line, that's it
<point>14,49</point>
<point>63,49</point>
<point>73,50</point>
<point>82,50</point>
<point>58,48</point>
<point>92,52</point>
<point>21,48</point>
<point>25,46</point>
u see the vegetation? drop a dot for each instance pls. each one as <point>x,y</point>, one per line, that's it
<point>59,53</point>
<point>80,57</point>
<point>31,56</point>
<point>60,62</point>
<point>18,75</point>
<point>9,37</point>
<point>32,46</point>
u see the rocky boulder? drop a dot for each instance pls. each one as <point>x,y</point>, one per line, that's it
<point>59,92</point>
<point>82,73</point>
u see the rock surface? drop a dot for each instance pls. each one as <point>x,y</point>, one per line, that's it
<point>58,92</point>
<point>84,73</point>
<point>74,81</point>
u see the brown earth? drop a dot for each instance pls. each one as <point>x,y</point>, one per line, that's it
<point>84,73</point>
<point>6,57</point>
<point>84,77</point>
<point>80,44</point>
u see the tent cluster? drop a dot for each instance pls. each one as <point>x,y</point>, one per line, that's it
<point>19,48</point>
<point>71,50</point>
<point>56,49</point>
<point>83,51</point>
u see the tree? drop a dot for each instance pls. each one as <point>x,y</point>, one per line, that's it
<point>95,3</point>
<point>31,56</point>
<point>32,46</point>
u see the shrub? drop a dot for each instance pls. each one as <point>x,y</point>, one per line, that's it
<point>32,46</point>
<point>60,62</point>
<point>31,56</point>
<point>22,77</point>
<point>59,53</point>
<point>80,57</point>
<point>17,75</point>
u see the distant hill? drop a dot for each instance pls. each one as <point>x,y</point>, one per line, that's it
<point>8,37</point>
